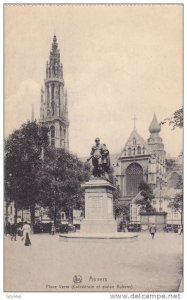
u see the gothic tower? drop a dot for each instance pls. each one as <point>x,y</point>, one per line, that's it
<point>54,101</point>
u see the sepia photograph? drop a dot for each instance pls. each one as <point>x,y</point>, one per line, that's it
<point>93,148</point>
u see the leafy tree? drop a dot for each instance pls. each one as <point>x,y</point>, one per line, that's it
<point>61,178</point>
<point>144,198</point>
<point>176,203</point>
<point>22,163</point>
<point>119,209</point>
<point>170,163</point>
<point>51,180</point>
<point>176,120</point>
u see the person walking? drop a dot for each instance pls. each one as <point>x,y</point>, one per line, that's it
<point>8,228</point>
<point>13,232</point>
<point>180,229</point>
<point>26,234</point>
<point>152,230</point>
<point>53,229</point>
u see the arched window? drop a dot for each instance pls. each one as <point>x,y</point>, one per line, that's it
<point>48,109</point>
<point>62,136</point>
<point>143,150</point>
<point>134,151</point>
<point>53,136</point>
<point>52,90</point>
<point>53,107</point>
<point>173,180</point>
<point>47,88</point>
<point>134,175</point>
<point>134,141</point>
<point>139,150</point>
<point>129,151</point>
<point>59,91</point>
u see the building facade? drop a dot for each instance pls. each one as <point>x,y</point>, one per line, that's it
<point>142,160</point>
<point>139,161</point>
<point>54,101</point>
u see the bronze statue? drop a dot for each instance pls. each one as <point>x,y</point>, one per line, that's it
<point>100,159</point>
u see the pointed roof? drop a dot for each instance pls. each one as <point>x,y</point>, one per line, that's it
<point>154,126</point>
<point>55,52</point>
<point>139,139</point>
<point>54,44</point>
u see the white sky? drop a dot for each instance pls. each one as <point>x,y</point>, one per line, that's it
<point>118,61</point>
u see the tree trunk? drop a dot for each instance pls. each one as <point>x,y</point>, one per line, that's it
<point>32,214</point>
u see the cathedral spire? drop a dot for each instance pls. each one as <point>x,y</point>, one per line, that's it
<point>53,67</point>
<point>53,109</point>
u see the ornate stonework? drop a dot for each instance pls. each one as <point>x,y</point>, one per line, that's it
<point>54,101</point>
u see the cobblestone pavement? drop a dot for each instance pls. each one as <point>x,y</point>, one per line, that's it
<point>49,264</point>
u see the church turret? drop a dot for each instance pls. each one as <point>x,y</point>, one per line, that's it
<point>155,143</point>
<point>154,126</point>
<point>53,109</point>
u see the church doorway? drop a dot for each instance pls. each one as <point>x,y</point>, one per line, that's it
<point>134,175</point>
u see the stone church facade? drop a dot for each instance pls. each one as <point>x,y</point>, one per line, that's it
<point>142,160</point>
<point>54,101</point>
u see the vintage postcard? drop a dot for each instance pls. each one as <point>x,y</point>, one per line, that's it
<point>93,151</point>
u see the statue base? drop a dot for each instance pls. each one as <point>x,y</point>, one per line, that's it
<point>98,207</point>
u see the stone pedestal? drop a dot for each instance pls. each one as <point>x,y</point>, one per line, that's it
<point>98,207</point>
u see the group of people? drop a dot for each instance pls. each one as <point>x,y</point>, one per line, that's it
<point>23,231</point>
<point>152,230</point>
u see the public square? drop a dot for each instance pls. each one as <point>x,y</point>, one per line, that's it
<point>138,264</point>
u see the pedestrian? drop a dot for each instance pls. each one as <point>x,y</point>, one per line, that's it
<point>152,230</point>
<point>13,232</point>
<point>180,229</point>
<point>50,226</point>
<point>8,228</point>
<point>53,229</point>
<point>124,226</point>
<point>19,230</point>
<point>26,234</point>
